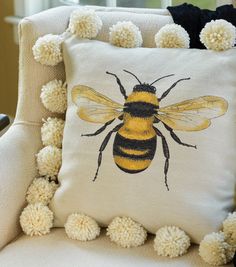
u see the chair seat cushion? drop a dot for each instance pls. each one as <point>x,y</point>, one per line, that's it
<point>56,250</point>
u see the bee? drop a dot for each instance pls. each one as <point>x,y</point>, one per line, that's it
<point>135,141</point>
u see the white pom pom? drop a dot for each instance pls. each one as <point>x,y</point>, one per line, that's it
<point>47,50</point>
<point>81,227</point>
<point>214,250</point>
<point>171,241</point>
<point>126,233</point>
<point>41,191</point>
<point>218,35</point>
<point>85,23</point>
<point>36,219</point>
<point>125,34</point>
<point>52,132</point>
<point>49,161</point>
<point>229,229</point>
<point>53,96</point>
<point>172,36</point>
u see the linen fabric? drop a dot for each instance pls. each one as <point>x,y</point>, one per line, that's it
<point>57,250</point>
<point>22,141</point>
<point>201,180</point>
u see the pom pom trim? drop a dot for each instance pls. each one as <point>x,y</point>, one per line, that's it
<point>171,241</point>
<point>172,36</point>
<point>47,50</point>
<point>214,249</point>
<point>126,233</point>
<point>81,227</point>
<point>53,96</point>
<point>218,35</point>
<point>125,34</point>
<point>36,219</point>
<point>85,23</point>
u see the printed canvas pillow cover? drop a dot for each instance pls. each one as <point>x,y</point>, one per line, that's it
<point>161,151</point>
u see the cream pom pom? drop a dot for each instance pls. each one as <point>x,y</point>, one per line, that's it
<point>36,219</point>
<point>47,50</point>
<point>52,132</point>
<point>53,96</point>
<point>85,23</point>
<point>218,35</point>
<point>172,36</point>
<point>126,233</point>
<point>125,34</point>
<point>171,241</point>
<point>49,161</point>
<point>229,229</point>
<point>215,250</point>
<point>81,227</point>
<point>41,191</point>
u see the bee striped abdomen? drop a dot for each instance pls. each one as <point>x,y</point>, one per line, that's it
<point>135,143</point>
<point>133,155</point>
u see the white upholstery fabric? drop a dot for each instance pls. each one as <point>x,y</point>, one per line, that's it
<point>17,168</point>
<point>20,144</point>
<point>163,12</point>
<point>56,250</point>
<point>33,75</point>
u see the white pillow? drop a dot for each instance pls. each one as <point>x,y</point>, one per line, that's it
<point>201,181</point>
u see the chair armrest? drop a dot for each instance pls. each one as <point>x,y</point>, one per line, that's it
<point>17,169</point>
<point>4,121</point>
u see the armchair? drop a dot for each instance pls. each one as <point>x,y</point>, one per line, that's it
<point>17,169</point>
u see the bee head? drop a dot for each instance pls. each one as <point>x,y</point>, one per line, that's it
<point>144,87</point>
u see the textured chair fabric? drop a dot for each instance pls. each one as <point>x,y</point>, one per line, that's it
<point>22,141</point>
<point>17,149</point>
<point>56,250</point>
<point>17,168</point>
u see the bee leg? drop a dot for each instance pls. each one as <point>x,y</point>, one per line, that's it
<point>122,89</point>
<point>172,86</point>
<point>176,138</point>
<point>166,153</point>
<point>100,130</point>
<point>103,146</point>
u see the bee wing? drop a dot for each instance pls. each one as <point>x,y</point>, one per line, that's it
<point>93,106</point>
<point>194,114</point>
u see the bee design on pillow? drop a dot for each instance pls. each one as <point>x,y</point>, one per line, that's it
<point>135,140</point>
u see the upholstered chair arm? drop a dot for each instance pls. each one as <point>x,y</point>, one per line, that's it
<point>18,147</point>
<point>22,141</point>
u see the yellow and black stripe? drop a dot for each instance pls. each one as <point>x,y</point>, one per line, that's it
<point>132,155</point>
<point>135,143</point>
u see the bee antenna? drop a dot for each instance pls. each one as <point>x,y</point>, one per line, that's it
<point>133,75</point>
<point>161,78</point>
